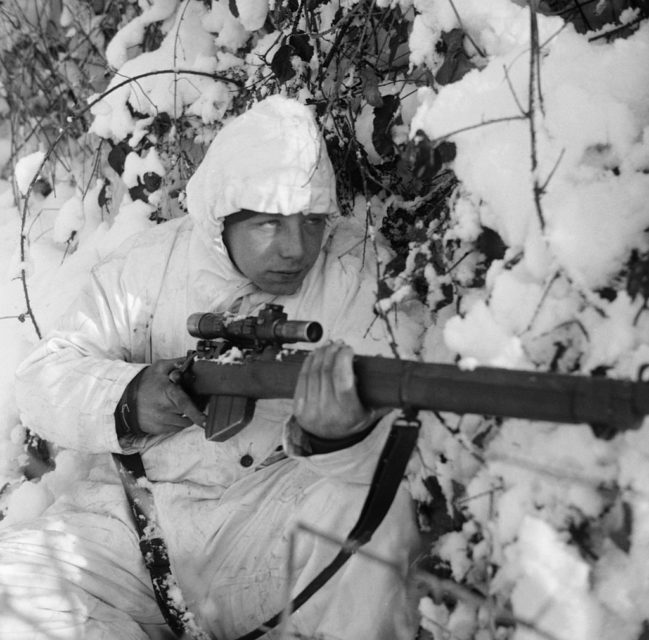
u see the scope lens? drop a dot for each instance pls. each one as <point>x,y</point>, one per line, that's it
<point>314,331</point>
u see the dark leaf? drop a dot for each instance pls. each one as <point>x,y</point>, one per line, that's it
<point>161,124</point>
<point>117,156</point>
<point>435,512</point>
<point>637,283</point>
<point>370,84</point>
<point>139,192</point>
<point>608,293</point>
<point>383,121</point>
<point>448,295</point>
<point>384,290</point>
<point>491,244</point>
<point>592,16</point>
<point>456,62</point>
<point>269,25</point>
<point>424,157</point>
<point>396,265</point>
<point>103,197</point>
<point>398,40</point>
<point>282,65</point>
<point>446,151</point>
<point>420,286</point>
<point>581,535</point>
<point>152,181</point>
<point>301,44</point>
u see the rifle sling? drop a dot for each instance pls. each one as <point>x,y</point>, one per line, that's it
<point>387,477</point>
<point>154,549</point>
<point>385,483</point>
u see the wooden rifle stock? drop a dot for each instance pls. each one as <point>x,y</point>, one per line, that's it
<point>608,405</point>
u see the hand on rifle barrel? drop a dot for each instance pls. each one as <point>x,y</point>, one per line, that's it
<point>162,405</point>
<point>325,402</point>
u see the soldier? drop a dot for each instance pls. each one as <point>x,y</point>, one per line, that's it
<point>261,228</point>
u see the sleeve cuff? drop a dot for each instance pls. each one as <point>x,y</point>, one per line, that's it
<point>127,428</point>
<point>355,463</point>
<point>311,444</point>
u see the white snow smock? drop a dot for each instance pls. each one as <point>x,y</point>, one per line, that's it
<point>228,522</point>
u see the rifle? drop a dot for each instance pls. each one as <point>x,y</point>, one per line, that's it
<point>240,360</point>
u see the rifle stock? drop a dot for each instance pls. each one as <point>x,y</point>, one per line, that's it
<point>609,405</point>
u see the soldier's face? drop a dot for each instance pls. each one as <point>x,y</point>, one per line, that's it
<point>274,251</point>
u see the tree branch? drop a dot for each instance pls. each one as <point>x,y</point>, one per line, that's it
<point>533,105</point>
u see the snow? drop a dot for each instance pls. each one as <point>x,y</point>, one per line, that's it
<point>27,169</point>
<point>529,486</point>
<point>69,220</point>
<point>479,337</point>
<point>252,13</point>
<point>117,51</point>
<point>164,93</point>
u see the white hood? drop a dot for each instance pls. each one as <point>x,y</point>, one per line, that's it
<point>270,159</point>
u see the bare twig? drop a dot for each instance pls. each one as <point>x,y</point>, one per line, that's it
<point>478,125</point>
<point>51,149</point>
<point>533,106</point>
<point>371,230</point>
<point>158,72</point>
<point>544,186</point>
<point>468,35</point>
<point>513,92</point>
<point>544,296</point>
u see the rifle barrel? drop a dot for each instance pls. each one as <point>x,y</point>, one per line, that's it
<point>386,382</point>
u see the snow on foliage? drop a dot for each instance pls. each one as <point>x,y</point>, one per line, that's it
<point>503,153</point>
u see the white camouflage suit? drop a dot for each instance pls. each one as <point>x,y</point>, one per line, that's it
<point>77,572</point>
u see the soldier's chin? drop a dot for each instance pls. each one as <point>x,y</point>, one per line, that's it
<point>283,290</point>
<point>281,285</point>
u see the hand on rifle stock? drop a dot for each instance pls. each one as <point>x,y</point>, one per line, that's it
<point>326,403</point>
<point>162,405</point>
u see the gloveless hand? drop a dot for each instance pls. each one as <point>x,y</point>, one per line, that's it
<point>325,402</point>
<point>162,405</point>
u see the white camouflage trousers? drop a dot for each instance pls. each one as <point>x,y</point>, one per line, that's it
<point>77,574</point>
